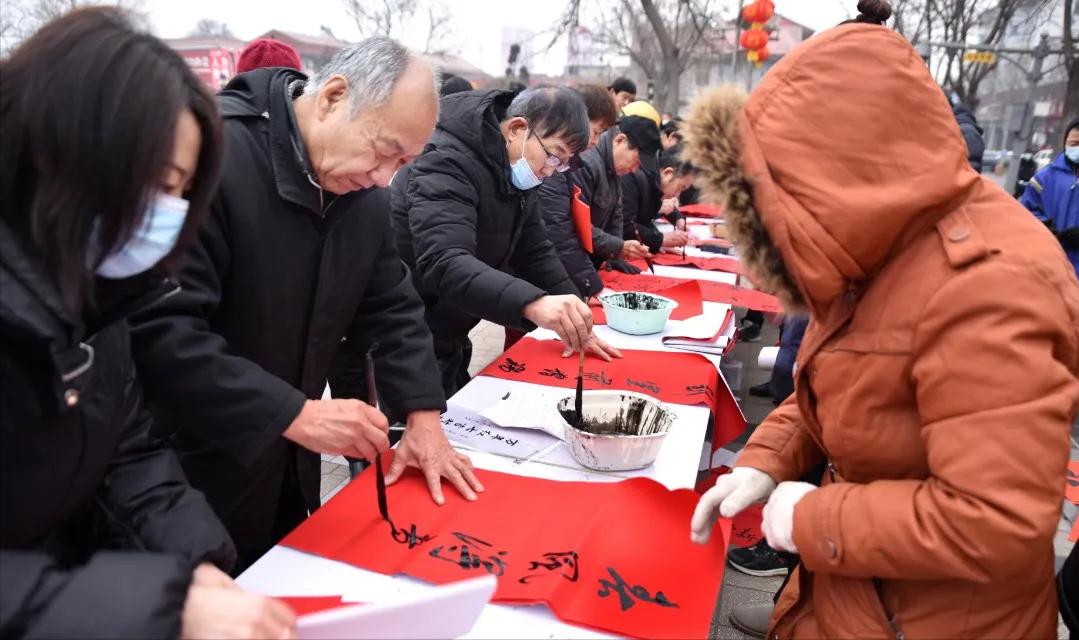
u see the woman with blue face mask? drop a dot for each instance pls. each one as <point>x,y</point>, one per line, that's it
<point>109,152</point>
<point>1053,195</point>
<point>467,221</point>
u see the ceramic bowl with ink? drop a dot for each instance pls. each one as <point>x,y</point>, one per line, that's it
<point>621,430</point>
<point>637,313</point>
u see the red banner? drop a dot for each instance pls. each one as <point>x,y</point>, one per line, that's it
<point>679,378</point>
<point>701,210</point>
<point>616,557</point>
<point>711,291</point>
<point>303,605</point>
<point>729,265</point>
<point>687,294</point>
<point>582,219</point>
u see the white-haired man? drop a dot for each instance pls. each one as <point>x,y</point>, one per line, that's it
<point>298,255</point>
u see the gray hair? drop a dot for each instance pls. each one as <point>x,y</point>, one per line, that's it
<point>372,67</point>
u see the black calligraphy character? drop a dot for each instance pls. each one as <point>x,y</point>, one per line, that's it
<point>468,559</point>
<point>498,437</point>
<point>511,442</point>
<point>599,378</point>
<point>745,534</point>
<point>512,366</point>
<point>647,386</point>
<point>553,561</point>
<point>626,593</point>
<point>699,390</point>
<point>409,536</point>
<point>557,374</point>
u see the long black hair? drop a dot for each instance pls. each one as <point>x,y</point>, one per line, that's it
<point>88,113</point>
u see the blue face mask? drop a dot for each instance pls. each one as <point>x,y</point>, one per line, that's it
<point>1072,153</point>
<point>522,175</point>
<point>151,242</point>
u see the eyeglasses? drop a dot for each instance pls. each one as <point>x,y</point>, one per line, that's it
<point>554,161</point>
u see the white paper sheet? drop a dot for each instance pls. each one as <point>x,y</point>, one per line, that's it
<point>442,612</point>
<point>465,427</point>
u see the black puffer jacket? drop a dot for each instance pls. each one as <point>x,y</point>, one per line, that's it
<point>463,227</point>
<point>601,190</point>
<point>99,529</point>
<point>641,201</point>
<point>281,273</point>
<point>972,135</point>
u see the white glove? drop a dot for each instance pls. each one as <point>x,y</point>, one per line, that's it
<point>733,492</point>
<point>778,522</point>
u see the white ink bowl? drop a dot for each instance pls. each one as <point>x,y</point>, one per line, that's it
<point>622,430</point>
<point>637,313</point>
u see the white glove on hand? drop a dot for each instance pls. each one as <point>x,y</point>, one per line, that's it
<point>778,522</point>
<point>733,492</point>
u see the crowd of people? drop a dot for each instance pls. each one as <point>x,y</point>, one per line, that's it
<point>183,274</point>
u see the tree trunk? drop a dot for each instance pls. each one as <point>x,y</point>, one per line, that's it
<point>1071,96</point>
<point>673,79</point>
<point>670,53</point>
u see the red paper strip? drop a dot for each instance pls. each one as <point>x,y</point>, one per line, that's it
<point>746,528</point>
<point>711,291</point>
<point>1074,535</point>
<point>616,557</point>
<point>701,210</point>
<point>729,265</point>
<point>679,378</point>
<point>303,605</point>
<point>1071,482</point>
<point>686,293</point>
<point>582,219</point>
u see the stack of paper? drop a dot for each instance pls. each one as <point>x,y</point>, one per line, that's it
<point>701,334</point>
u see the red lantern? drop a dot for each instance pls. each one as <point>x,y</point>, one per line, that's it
<point>763,54</point>
<point>754,39</point>
<point>759,12</point>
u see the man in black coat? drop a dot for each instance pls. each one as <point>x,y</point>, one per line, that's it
<point>619,151</point>
<point>972,135</point>
<point>467,222</point>
<point>298,254</point>
<point>644,197</point>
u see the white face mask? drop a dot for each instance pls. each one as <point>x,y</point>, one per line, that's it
<point>521,173</point>
<point>151,242</point>
<point>1072,153</point>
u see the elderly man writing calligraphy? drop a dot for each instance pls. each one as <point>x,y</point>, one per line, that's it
<point>297,255</point>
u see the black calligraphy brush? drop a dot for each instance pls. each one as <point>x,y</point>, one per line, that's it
<point>647,260</point>
<point>578,402</point>
<point>372,399</point>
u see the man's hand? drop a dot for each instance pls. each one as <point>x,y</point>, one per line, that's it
<point>231,612</point>
<point>425,447</point>
<point>633,250</point>
<point>619,264</point>
<point>675,239</point>
<point>669,205</point>
<point>566,315</point>
<point>597,347</point>
<point>340,427</point>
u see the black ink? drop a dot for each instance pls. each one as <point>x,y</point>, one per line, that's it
<point>467,559</point>
<point>600,378</point>
<point>647,386</point>
<point>512,366</point>
<point>626,593</point>
<point>553,561</point>
<point>745,534</point>
<point>699,390</point>
<point>557,374</point>
<point>409,536</point>
<point>507,396</point>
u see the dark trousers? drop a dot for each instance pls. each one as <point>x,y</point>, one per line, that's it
<point>1068,592</point>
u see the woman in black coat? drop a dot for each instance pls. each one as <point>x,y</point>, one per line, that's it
<point>109,151</point>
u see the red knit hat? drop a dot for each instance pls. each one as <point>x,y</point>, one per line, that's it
<point>266,52</point>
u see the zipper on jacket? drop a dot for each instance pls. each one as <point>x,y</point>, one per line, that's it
<point>891,619</point>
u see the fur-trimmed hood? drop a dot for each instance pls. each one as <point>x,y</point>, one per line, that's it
<point>844,151</point>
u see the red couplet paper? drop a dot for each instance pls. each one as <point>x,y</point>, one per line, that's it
<point>303,605</point>
<point>729,265</point>
<point>1071,482</point>
<point>701,210</point>
<point>710,291</point>
<point>615,557</point>
<point>582,219</point>
<point>679,378</point>
<point>687,294</point>
<point>1074,535</point>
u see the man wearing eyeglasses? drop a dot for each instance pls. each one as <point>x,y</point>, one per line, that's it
<point>467,221</point>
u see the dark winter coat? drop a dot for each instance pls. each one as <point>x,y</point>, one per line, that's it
<point>972,135</point>
<point>281,273</point>
<point>641,201</point>
<point>476,244</point>
<point>99,530</point>
<point>601,190</point>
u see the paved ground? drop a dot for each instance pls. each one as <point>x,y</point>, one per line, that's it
<point>738,589</point>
